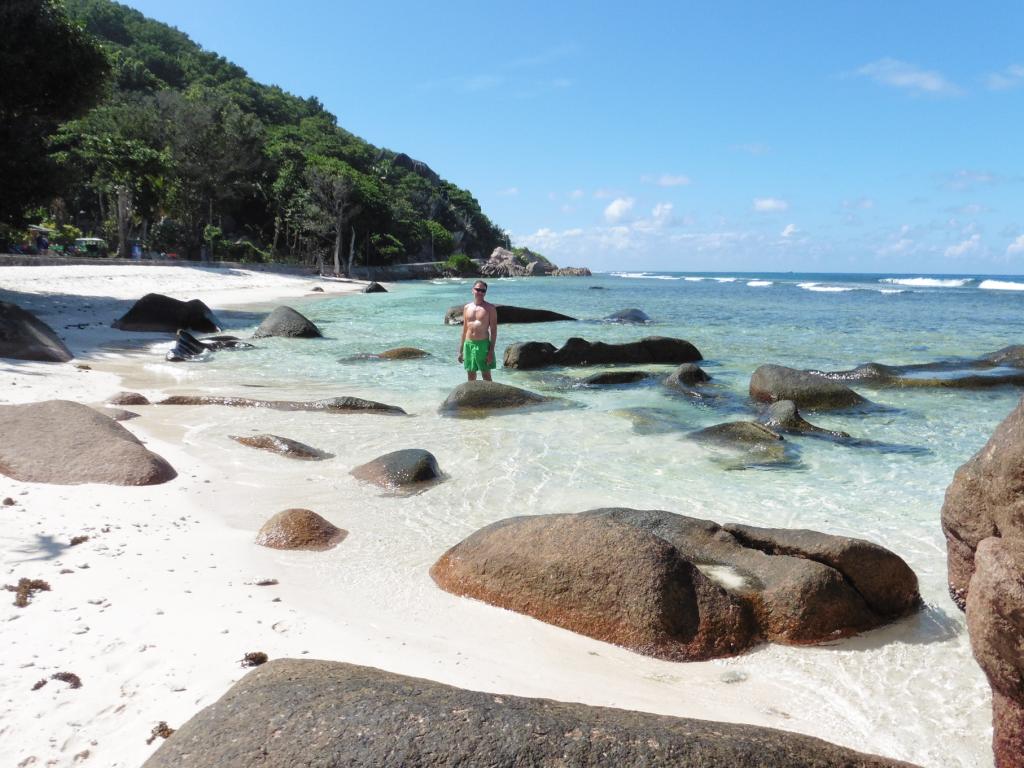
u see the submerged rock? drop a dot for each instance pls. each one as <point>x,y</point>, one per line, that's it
<point>408,469</point>
<point>783,416</point>
<point>23,336</point>
<point>66,443</point>
<point>403,353</point>
<point>299,529</point>
<point>478,396</point>
<point>360,717</point>
<point>329,405</point>
<point>508,314</point>
<point>282,446</point>
<point>128,398</point>
<point>770,383</point>
<point>757,444</point>
<point>156,312</point>
<point>612,378</point>
<point>631,315</point>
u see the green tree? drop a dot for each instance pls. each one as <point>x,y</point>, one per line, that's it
<point>51,71</point>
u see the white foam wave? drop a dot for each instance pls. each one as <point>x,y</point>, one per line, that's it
<point>631,274</point>
<point>927,282</point>
<point>693,279</point>
<point>726,279</point>
<point>759,283</point>
<point>894,290</point>
<point>824,288</point>
<point>645,276</point>
<point>1001,285</point>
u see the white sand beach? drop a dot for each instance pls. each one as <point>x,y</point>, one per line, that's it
<point>156,609</point>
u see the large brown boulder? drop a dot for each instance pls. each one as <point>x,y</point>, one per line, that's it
<point>795,598</point>
<point>770,383</point>
<point>285,321</point>
<point>477,397</point>
<point>156,312</point>
<point>292,712</point>
<point>984,500</point>
<point>995,620</point>
<point>23,336</point>
<point>408,469</point>
<point>529,354</point>
<point>67,443</point>
<point>299,529</point>
<point>128,398</point>
<point>602,578</point>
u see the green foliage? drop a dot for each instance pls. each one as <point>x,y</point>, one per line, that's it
<point>441,241</point>
<point>461,264</point>
<point>187,138</point>
<point>52,71</point>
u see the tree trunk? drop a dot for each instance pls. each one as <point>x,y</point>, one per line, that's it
<point>337,249</point>
<point>124,204</point>
<point>351,252</point>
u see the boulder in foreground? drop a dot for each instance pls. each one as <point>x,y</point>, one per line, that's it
<point>67,443</point>
<point>984,500</point>
<point>407,469</point>
<point>770,383</point>
<point>285,321</point>
<point>23,336</point>
<point>299,529</point>
<point>995,620</point>
<point>292,712</point>
<point>480,396</point>
<point>156,312</point>
<point>282,446</point>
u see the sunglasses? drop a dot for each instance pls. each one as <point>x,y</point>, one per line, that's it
<point>479,290</point>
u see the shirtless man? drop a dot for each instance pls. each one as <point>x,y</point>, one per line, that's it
<point>479,334</point>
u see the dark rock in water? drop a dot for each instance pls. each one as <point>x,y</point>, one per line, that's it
<point>601,578</point>
<point>759,445</point>
<point>329,405</point>
<point>995,621</point>
<point>687,375</point>
<point>529,354</point>
<point>225,342</point>
<point>360,717</point>
<point>299,529</point>
<point>408,469</point>
<point>611,378</point>
<point>285,321</point>
<point>375,287</point>
<point>509,314</point>
<point>783,416</point>
<point>1012,355</point>
<point>156,312</point>
<point>770,383</point>
<point>795,598</point>
<point>403,353</point>
<point>596,287</point>
<point>67,443</point>
<point>984,500</point>
<point>119,414</point>
<point>128,398</point>
<point>631,315</point>
<point>282,446</point>
<point>653,421</point>
<point>885,581</point>
<point>481,396</point>
<point>186,347</point>
<point>316,289</point>
<point>879,375</point>
<point>23,336</point>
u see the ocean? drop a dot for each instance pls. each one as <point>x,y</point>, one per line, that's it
<point>910,690</point>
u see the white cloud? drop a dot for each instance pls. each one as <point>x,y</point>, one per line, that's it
<point>602,193</point>
<point>770,205</point>
<point>509,191</point>
<point>900,74</point>
<point>1011,77</point>
<point>1017,246</point>
<point>755,148</point>
<point>964,248</point>
<point>964,179</point>
<point>618,209</point>
<point>790,230</point>
<point>861,203</point>
<point>576,194</point>
<point>667,180</point>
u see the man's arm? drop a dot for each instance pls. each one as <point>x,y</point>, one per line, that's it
<point>462,339</point>
<point>492,331</point>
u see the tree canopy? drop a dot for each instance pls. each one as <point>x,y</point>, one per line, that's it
<point>184,144</point>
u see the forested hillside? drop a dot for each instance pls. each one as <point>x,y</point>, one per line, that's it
<point>186,152</point>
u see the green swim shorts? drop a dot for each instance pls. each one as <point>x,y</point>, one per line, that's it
<point>474,355</point>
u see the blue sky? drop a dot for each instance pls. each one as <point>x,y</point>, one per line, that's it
<point>830,136</point>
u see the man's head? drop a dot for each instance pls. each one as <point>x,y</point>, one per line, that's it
<point>479,290</point>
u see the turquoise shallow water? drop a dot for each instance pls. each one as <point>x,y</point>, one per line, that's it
<point>596,453</point>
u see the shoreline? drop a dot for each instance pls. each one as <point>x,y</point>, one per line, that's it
<point>156,623</point>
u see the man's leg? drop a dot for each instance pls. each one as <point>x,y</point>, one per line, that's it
<point>487,375</point>
<point>471,375</point>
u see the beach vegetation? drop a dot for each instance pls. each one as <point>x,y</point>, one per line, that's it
<point>461,264</point>
<point>173,140</point>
